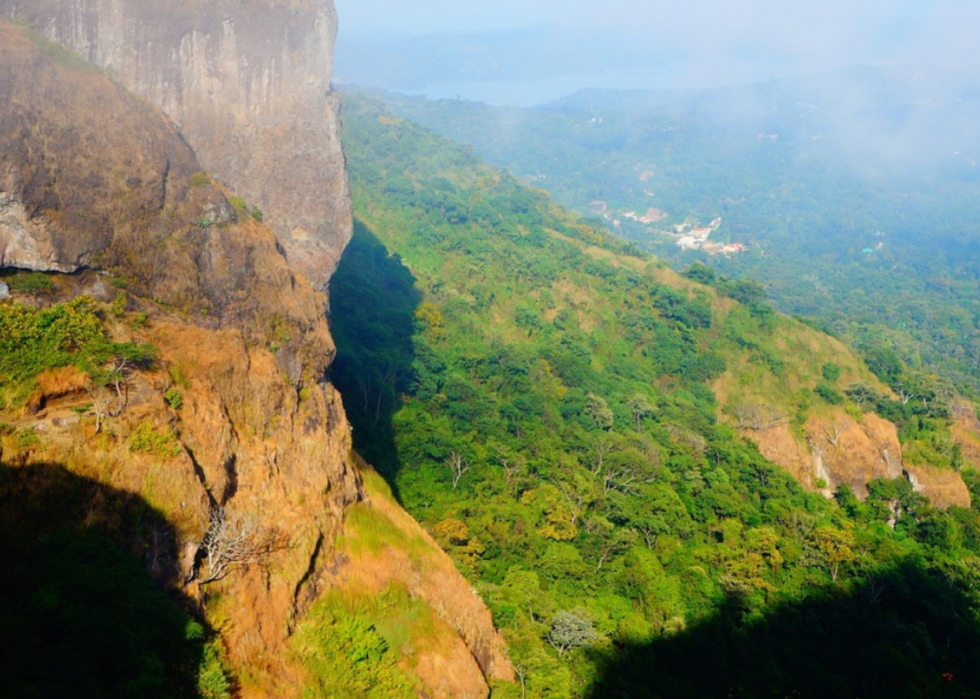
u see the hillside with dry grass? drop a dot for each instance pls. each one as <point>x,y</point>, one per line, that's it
<point>162,359</point>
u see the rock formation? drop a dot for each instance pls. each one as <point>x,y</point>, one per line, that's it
<point>247,85</point>
<point>96,181</point>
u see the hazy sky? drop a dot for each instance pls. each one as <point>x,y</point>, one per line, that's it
<point>718,41</point>
<point>745,16</point>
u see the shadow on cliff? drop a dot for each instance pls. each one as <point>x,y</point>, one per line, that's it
<point>82,607</point>
<point>373,300</point>
<point>904,632</point>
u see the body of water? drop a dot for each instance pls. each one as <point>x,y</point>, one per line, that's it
<point>530,92</point>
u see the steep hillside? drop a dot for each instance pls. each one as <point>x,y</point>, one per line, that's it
<point>168,397</point>
<point>248,86</point>
<point>586,432</point>
<point>854,193</point>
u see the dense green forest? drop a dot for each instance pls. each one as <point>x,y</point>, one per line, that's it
<point>857,193</point>
<point>537,394</point>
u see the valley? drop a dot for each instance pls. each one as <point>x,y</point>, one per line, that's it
<point>302,398</point>
<point>569,411</point>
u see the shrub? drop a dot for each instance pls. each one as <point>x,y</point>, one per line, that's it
<point>146,440</point>
<point>33,283</point>
<point>828,393</point>
<point>174,398</point>
<point>830,371</point>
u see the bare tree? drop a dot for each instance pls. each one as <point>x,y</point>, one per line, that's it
<point>117,375</point>
<point>757,417</point>
<point>906,395</point>
<point>569,631</point>
<point>458,465</point>
<point>834,433</point>
<point>108,389</point>
<point>601,448</point>
<point>621,479</point>
<point>521,670</point>
<point>576,500</point>
<point>512,467</point>
<point>233,539</point>
<point>102,398</point>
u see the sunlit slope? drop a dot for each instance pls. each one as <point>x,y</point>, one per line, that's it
<point>528,277</point>
<point>584,431</point>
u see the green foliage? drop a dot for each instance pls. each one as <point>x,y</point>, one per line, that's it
<point>200,179</point>
<point>27,439</point>
<point>118,306</point>
<point>34,340</point>
<point>82,619</point>
<point>828,393</point>
<point>212,675</point>
<point>146,440</point>
<point>245,208</point>
<point>475,320</point>
<point>830,371</point>
<point>350,647</point>
<point>55,51</point>
<point>174,398</point>
<point>33,283</point>
<point>914,292</point>
<point>81,615</point>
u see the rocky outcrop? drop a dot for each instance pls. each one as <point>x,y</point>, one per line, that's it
<point>259,431</point>
<point>242,338</point>
<point>839,450</point>
<point>248,86</point>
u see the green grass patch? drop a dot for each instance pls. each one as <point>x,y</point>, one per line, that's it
<point>369,530</point>
<point>354,646</point>
<point>34,340</point>
<point>146,440</point>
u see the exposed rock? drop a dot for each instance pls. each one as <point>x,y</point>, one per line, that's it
<point>248,86</point>
<point>259,430</point>
<point>839,450</point>
<point>966,432</point>
<point>943,487</point>
<point>4,291</point>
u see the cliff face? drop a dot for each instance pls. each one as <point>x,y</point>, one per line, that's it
<point>94,180</point>
<point>838,450</point>
<point>248,86</point>
<point>259,430</point>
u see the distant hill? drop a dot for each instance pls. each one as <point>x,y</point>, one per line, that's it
<point>585,431</point>
<point>856,193</point>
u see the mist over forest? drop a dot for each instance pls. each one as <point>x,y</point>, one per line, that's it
<point>511,350</point>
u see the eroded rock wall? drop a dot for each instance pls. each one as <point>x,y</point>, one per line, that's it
<point>248,86</point>
<point>239,334</point>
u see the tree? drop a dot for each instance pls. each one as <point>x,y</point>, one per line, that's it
<point>639,406</point>
<point>233,539</point>
<point>834,433</point>
<point>458,465</point>
<point>833,547</point>
<point>757,417</point>
<point>570,631</point>
<point>597,409</point>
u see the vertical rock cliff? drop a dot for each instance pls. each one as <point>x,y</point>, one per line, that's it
<point>97,182</point>
<point>247,85</point>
